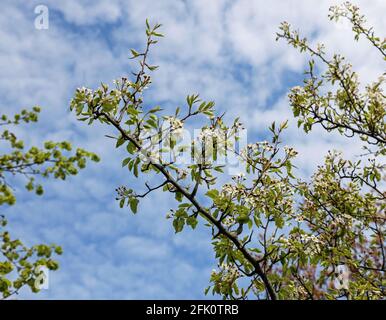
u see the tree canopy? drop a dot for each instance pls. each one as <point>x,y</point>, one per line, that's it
<point>21,265</point>
<point>275,236</point>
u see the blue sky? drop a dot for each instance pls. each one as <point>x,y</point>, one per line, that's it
<point>224,50</point>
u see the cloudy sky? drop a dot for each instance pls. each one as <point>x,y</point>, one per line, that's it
<point>224,50</point>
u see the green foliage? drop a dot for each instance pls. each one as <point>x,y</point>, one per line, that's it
<point>21,265</point>
<point>334,99</point>
<point>274,236</point>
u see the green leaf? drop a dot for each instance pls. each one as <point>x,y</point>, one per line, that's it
<point>134,204</point>
<point>120,142</point>
<point>192,221</point>
<point>213,194</point>
<point>125,162</point>
<point>134,53</point>
<point>178,224</point>
<point>178,196</point>
<point>130,147</point>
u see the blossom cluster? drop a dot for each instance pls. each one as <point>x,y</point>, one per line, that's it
<point>310,244</point>
<point>175,123</point>
<point>229,272</point>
